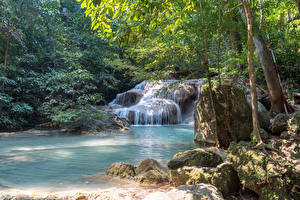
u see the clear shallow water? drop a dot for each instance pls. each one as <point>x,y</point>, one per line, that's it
<point>65,161</point>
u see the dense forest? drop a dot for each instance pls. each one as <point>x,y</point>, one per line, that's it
<point>51,61</point>
<point>181,99</point>
<point>54,59</point>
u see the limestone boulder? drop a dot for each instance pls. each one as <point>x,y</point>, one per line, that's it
<point>129,98</point>
<point>152,177</point>
<point>188,192</point>
<point>150,171</point>
<point>268,174</point>
<point>121,170</point>
<point>223,177</point>
<point>279,123</point>
<point>196,157</point>
<point>233,115</point>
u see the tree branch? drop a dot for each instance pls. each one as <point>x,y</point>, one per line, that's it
<point>293,19</point>
<point>232,9</point>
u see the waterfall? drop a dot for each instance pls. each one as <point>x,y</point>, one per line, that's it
<point>156,103</point>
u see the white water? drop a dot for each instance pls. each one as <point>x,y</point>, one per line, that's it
<point>155,103</point>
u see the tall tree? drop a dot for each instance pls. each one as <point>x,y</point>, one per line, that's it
<point>269,68</point>
<point>255,121</point>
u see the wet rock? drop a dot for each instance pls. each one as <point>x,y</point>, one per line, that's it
<point>188,192</point>
<point>122,170</point>
<point>197,157</point>
<point>279,123</point>
<point>268,174</point>
<point>129,98</point>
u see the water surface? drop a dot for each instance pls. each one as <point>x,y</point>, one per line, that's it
<point>65,161</point>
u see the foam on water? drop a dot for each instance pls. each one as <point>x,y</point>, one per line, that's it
<point>155,102</point>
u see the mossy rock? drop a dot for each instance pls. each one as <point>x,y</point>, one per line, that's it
<point>233,116</point>
<point>122,170</point>
<point>149,171</point>
<point>270,175</point>
<point>197,157</point>
<point>279,123</point>
<point>294,125</point>
<point>152,177</point>
<point>222,177</point>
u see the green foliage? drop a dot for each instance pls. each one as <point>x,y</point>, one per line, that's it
<point>78,118</point>
<point>55,61</point>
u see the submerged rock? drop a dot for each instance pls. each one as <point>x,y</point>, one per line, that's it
<point>188,192</point>
<point>197,157</point>
<point>268,174</point>
<point>122,170</point>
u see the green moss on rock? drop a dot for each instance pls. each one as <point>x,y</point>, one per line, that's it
<point>197,157</point>
<point>268,174</point>
<point>222,177</point>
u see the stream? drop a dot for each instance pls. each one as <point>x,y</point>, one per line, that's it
<point>64,161</point>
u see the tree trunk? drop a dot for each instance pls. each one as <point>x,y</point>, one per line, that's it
<point>277,104</point>
<point>298,5</point>
<point>6,50</point>
<point>255,122</point>
<point>212,102</point>
<point>269,68</point>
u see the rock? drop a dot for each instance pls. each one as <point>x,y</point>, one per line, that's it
<point>279,123</point>
<point>269,175</point>
<point>294,125</point>
<point>150,171</point>
<point>188,192</point>
<point>197,157</point>
<point>147,165</point>
<point>152,177</point>
<point>129,98</point>
<point>122,170</point>
<point>264,116</point>
<point>263,134</point>
<point>223,177</point>
<point>284,135</point>
<point>233,116</point>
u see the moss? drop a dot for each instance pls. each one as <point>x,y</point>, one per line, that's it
<point>197,157</point>
<point>264,173</point>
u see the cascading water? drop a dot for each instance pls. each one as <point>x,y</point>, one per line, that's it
<point>154,103</point>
